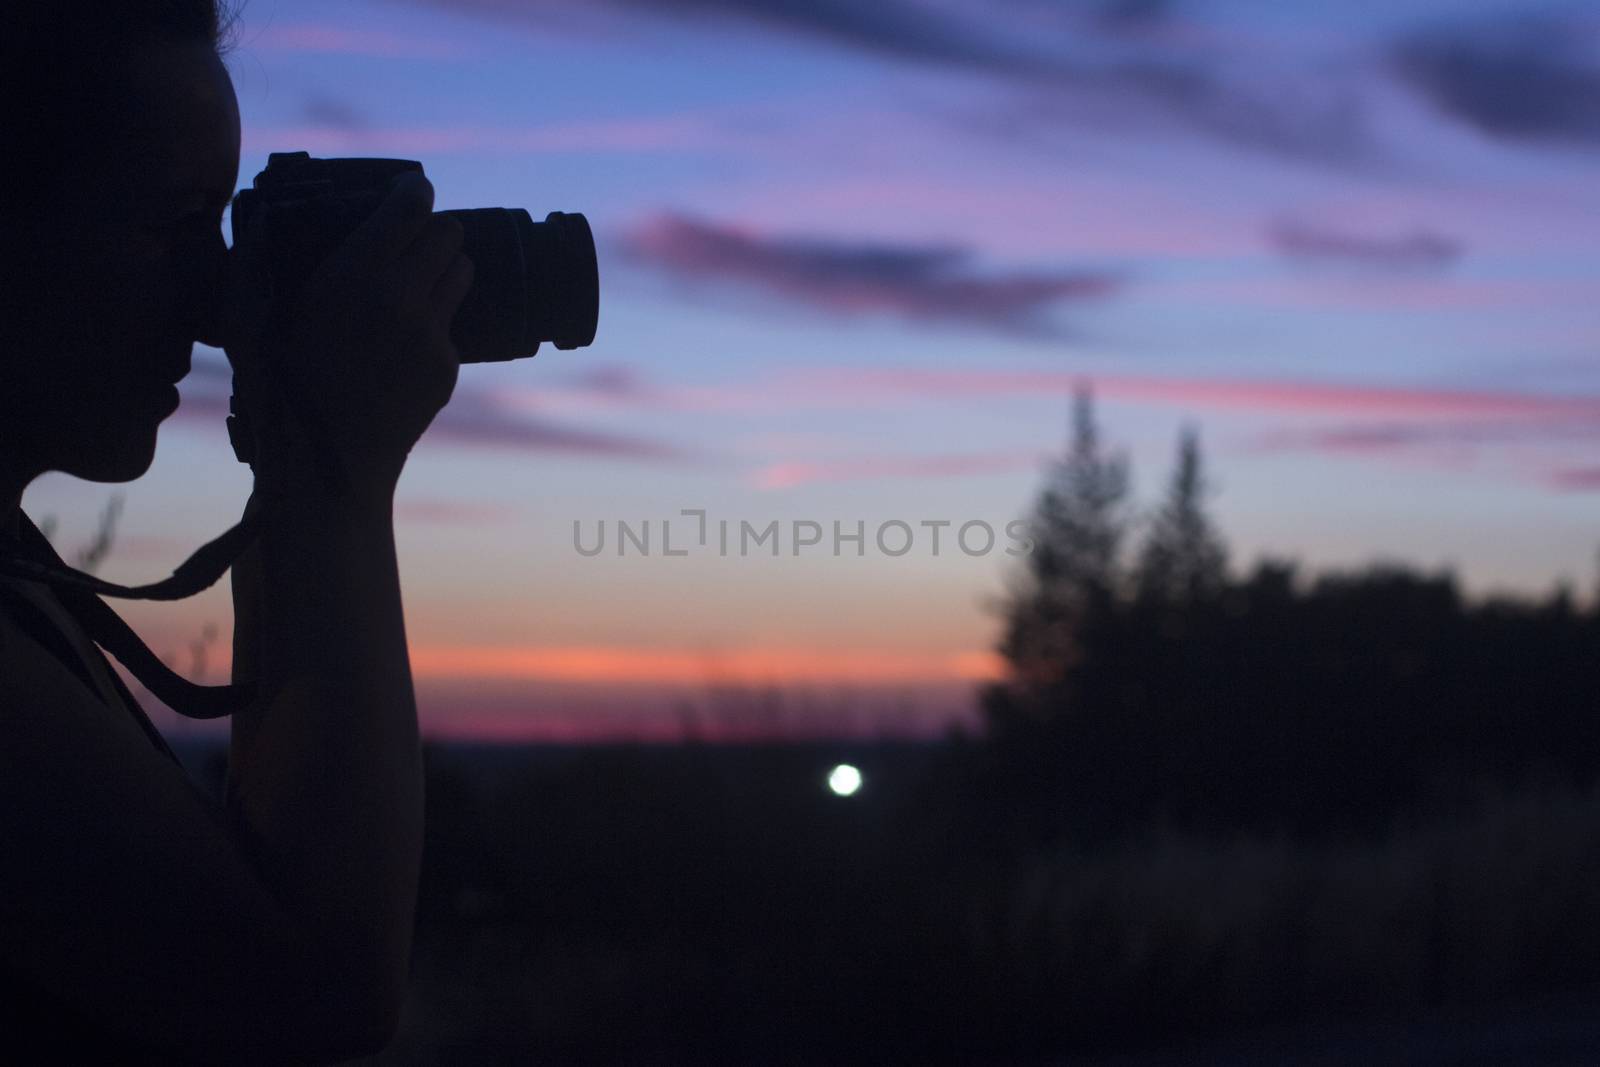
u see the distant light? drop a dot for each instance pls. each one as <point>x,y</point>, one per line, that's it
<point>844,780</point>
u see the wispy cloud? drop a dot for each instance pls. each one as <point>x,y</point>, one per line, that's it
<point>615,387</point>
<point>1521,449</point>
<point>907,29</point>
<point>1135,14</point>
<point>835,387</point>
<point>1420,249</point>
<point>1267,396</point>
<point>1519,77</point>
<point>437,511</point>
<point>1249,106</point>
<point>1440,427</point>
<point>1065,62</point>
<point>473,418</point>
<point>478,418</point>
<point>1376,437</point>
<point>328,112</point>
<point>1577,479</point>
<point>1454,427</point>
<point>920,282</point>
<point>332,129</point>
<point>321,37</point>
<point>789,475</point>
<point>1369,290</point>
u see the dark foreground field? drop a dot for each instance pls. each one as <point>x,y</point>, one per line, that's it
<point>718,904</point>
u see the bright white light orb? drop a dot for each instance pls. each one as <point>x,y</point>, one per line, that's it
<point>844,780</point>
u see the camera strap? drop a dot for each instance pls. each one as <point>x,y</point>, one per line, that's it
<point>33,557</point>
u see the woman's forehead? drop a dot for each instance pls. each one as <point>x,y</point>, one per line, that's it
<point>180,124</point>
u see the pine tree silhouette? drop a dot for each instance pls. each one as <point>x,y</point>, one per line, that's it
<point>1183,558</point>
<point>1072,576</point>
<point>1078,526</point>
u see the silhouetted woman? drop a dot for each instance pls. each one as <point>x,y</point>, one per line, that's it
<point>139,920</point>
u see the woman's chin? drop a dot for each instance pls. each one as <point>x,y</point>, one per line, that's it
<point>124,470</point>
<point>115,457</point>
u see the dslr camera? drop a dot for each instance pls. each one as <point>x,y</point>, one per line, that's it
<point>532,281</point>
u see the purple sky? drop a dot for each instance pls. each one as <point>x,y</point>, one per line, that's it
<point>853,258</point>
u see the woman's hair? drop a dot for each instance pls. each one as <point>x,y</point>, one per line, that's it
<point>63,75</point>
<point>60,65</point>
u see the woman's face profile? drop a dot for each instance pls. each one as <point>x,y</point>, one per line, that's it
<point>134,278</point>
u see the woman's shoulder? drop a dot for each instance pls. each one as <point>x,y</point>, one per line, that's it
<point>53,715</point>
<point>78,782</point>
<point>41,663</point>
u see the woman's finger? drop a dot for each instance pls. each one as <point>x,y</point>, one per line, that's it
<point>421,266</point>
<point>452,287</point>
<point>397,222</point>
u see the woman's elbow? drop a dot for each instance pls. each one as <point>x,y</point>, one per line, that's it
<point>344,1006</point>
<point>364,1010</point>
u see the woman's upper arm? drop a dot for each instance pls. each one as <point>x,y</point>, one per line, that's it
<point>124,892</point>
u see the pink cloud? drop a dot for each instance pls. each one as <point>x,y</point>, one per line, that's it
<point>1577,479</point>
<point>850,276</point>
<point>481,419</point>
<point>451,512</point>
<point>1232,394</point>
<point>621,386</point>
<point>667,134</point>
<point>1087,215</point>
<point>1500,214</point>
<point>1390,436</point>
<point>350,41</point>
<point>1440,427</point>
<point>1383,293</point>
<point>475,418</point>
<point>1417,249</point>
<point>1378,438</point>
<point>617,387</point>
<point>789,475</point>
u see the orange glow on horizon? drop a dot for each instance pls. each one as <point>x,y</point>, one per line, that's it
<point>615,665</point>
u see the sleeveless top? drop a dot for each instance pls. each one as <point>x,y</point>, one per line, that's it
<point>35,1026</point>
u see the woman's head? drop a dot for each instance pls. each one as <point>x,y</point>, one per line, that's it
<point>125,134</point>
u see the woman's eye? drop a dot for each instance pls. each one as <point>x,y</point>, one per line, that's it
<point>194,223</point>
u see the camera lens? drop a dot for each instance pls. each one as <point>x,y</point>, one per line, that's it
<point>532,282</point>
<point>565,241</point>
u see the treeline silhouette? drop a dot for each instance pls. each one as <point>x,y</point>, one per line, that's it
<point>1146,684</point>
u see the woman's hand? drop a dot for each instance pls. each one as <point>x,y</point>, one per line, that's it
<point>362,360</point>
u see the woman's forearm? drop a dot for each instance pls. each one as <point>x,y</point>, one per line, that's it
<point>325,771</point>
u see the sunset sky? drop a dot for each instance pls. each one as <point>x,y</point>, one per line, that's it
<point>853,258</point>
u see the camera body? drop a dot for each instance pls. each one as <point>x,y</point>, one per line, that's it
<point>532,282</point>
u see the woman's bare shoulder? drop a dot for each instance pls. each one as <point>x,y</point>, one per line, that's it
<point>44,704</point>
<point>117,869</point>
